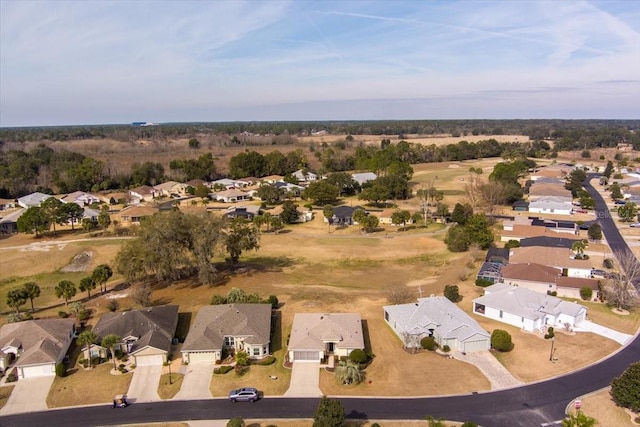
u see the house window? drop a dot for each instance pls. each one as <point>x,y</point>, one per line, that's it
<point>523,320</point>
<point>501,314</point>
<point>229,341</point>
<point>386,316</point>
<point>256,351</point>
<point>479,308</point>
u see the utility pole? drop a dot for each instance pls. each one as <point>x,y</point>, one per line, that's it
<point>552,349</point>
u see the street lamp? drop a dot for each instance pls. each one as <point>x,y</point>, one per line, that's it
<point>170,380</point>
<point>552,349</point>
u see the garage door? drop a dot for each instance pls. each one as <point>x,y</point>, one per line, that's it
<point>202,357</point>
<point>37,371</point>
<point>475,345</point>
<point>153,359</point>
<point>306,356</point>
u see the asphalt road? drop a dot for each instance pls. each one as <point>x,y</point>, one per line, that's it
<point>538,404</point>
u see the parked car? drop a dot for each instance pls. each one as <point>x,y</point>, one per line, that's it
<point>247,394</point>
<point>634,224</point>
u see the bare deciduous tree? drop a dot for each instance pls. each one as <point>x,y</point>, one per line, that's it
<point>399,294</point>
<point>621,289</point>
<point>141,294</point>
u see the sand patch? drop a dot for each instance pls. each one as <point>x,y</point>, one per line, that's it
<point>80,262</point>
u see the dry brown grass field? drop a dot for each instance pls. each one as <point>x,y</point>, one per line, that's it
<point>442,139</point>
<point>600,406</point>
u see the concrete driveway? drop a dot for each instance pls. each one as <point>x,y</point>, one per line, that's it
<point>496,373</point>
<point>196,382</point>
<point>588,326</point>
<point>144,384</point>
<point>305,380</point>
<point>29,395</point>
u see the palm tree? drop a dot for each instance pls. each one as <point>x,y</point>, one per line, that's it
<point>578,247</point>
<point>87,339</point>
<point>33,291</point>
<point>110,342</point>
<point>579,420</point>
<point>101,274</point>
<point>348,372</point>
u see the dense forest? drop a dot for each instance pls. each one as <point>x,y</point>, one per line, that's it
<point>41,168</point>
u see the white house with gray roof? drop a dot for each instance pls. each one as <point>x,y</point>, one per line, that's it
<point>440,319</point>
<point>527,309</point>
<point>33,199</point>
<point>236,327</point>
<point>316,335</point>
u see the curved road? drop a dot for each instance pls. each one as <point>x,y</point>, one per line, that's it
<point>537,404</point>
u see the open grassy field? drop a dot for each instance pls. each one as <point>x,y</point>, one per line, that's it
<point>442,139</point>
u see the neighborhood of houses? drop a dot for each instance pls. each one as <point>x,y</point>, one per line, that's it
<point>524,287</point>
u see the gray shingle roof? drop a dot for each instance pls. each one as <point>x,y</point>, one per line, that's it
<point>311,330</point>
<point>214,322</point>
<point>436,313</point>
<point>42,340</point>
<point>154,326</point>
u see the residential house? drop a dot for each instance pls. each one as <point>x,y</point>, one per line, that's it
<point>551,205</point>
<point>81,198</point>
<point>9,223</point>
<point>235,327</point>
<point>146,334</point>
<point>520,206</point>
<point>271,179</point>
<point>37,346</point>
<point>33,200</point>
<point>231,196</point>
<point>143,193</point>
<point>303,216</point>
<point>523,227</point>
<point>540,189</point>
<point>228,183</point>
<point>553,171</point>
<point>498,255</point>
<point>523,308</point>
<point>342,215</point>
<point>562,259</point>
<point>247,212</point>
<point>439,318</point>
<point>317,335</point>
<point>491,271</point>
<point>545,279</point>
<point>548,242</point>
<point>171,189</point>
<point>288,188</point>
<point>135,214</point>
<point>6,204</point>
<point>197,182</point>
<point>304,176</point>
<point>364,177</point>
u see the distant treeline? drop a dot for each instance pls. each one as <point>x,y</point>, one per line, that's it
<point>594,133</point>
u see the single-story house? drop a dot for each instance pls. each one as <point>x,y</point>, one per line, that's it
<point>9,223</point>
<point>560,258</point>
<point>33,199</point>
<point>540,189</point>
<point>134,214</point>
<point>544,279</point>
<point>271,179</point>
<point>37,346</point>
<point>146,334</point>
<point>197,182</point>
<point>169,188</point>
<point>304,176</point>
<point>144,193</point>
<point>303,215</point>
<point>288,188</point>
<point>81,198</point>
<point>247,212</point>
<point>231,196</point>
<point>316,335</point>
<point>228,183</point>
<point>364,177</point>
<point>527,309</point>
<point>439,318</point>
<point>551,205</point>
<point>6,204</point>
<point>237,327</point>
<point>342,215</point>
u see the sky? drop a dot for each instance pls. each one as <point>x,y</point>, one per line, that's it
<point>100,62</point>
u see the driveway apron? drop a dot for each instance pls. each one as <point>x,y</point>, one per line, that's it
<point>144,384</point>
<point>29,395</point>
<point>305,380</point>
<point>196,382</point>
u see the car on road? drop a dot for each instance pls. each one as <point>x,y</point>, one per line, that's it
<point>246,394</point>
<point>634,225</point>
<point>120,401</point>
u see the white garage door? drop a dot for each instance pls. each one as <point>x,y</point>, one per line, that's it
<point>475,345</point>
<point>306,356</point>
<point>202,357</point>
<point>152,359</point>
<point>37,371</point>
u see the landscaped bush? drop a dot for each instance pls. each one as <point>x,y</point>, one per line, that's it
<point>113,305</point>
<point>428,343</point>
<point>554,293</point>
<point>269,360</point>
<point>586,293</point>
<point>61,370</point>
<point>483,282</point>
<point>452,293</point>
<point>63,314</point>
<point>273,300</point>
<point>12,377</point>
<point>469,424</point>
<point>446,349</point>
<point>222,370</point>
<point>501,340</point>
<point>608,263</point>
<point>358,356</point>
<point>512,244</point>
<point>236,422</point>
<point>240,370</point>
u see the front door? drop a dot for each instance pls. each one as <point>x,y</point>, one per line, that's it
<point>330,347</point>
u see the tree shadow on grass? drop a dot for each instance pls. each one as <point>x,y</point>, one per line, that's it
<point>365,336</point>
<point>276,331</point>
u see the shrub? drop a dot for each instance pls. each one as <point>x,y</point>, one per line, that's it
<point>121,366</point>
<point>469,424</point>
<point>113,305</point>
<point>269,360</point>
<point>375,425</point>
<point>63,314</point>
<point>446,349</point>
<point>586,293</point>
<point>483,282</point>
<point>236,422</point>
<point>428,343</point>
<point>273,300</point>
<point>501,340</point>
<point>61,370</point>
<point>12,377</point>
<point>512,244</point>
<point>554,293</point>
<point>550,334</point>
<point>222,370</point>
<point>452,293</point>
<point>240,370</point>
<point>358,356</point>
<point>608,263</point>
<point>218,300</point>
<point>625,389</point>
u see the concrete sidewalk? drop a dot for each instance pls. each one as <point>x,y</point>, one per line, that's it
<point>305,380</point>
<point>29,395</point>
<point>589,326</point>
<point>144,384</point>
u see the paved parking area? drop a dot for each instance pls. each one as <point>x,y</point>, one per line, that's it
<point>305,380</point>
<point>29,395</point>
<point>196,382</point>
<point>144,384</point>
